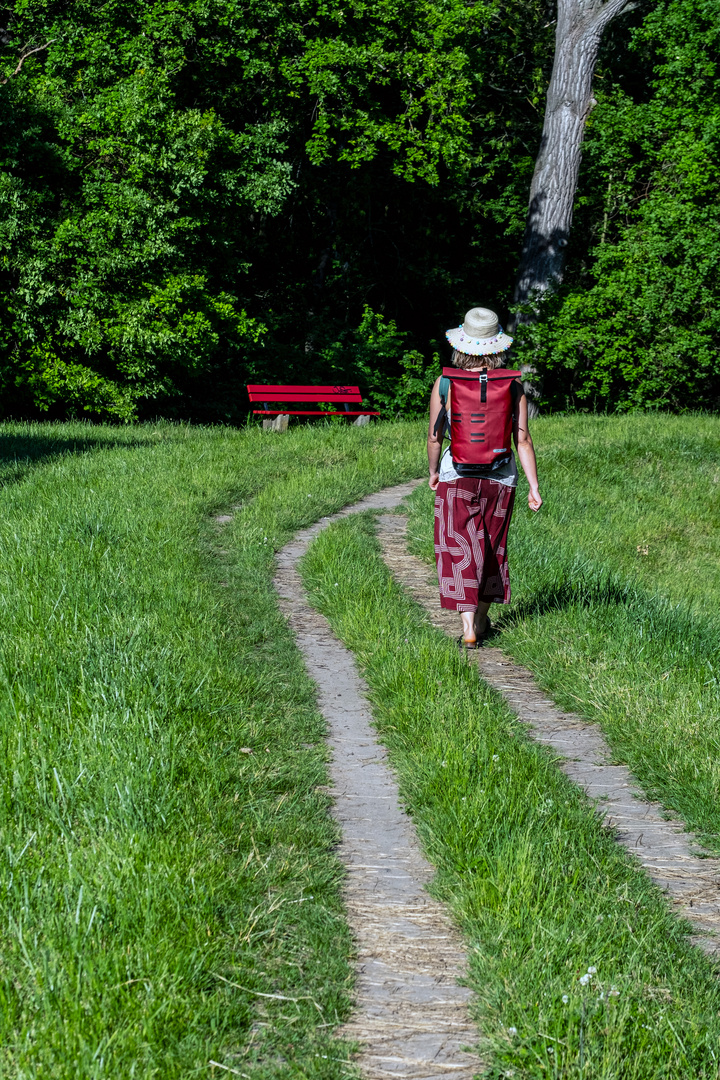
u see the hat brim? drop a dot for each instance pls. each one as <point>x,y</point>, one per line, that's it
<point>474,347</point>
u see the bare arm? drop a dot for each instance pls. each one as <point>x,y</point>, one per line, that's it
<point>525,448</point>
<point>434,443</point>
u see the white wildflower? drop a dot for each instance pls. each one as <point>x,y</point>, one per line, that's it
<point>565,999</point>
<point>496,757</point>
<point>512,1031</point>
<point>592,971</point>
<point>584,980</point>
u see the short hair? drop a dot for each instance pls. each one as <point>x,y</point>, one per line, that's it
<point>488,360</point>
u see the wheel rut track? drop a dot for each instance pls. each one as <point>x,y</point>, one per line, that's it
<point>411,1016</point>
<point>645,828</point>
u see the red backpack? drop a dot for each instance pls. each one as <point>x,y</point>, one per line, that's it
<point>481,415</point>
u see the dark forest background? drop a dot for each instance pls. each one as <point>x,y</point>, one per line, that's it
<point>201,193</point>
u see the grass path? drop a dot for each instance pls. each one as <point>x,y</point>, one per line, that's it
<point>579,966</point>
<point>616,594</point>
<point>661,845</point>
<point>410,1016</point>
<point>170,897</point>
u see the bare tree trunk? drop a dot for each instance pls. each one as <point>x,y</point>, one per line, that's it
<point>580,25</point>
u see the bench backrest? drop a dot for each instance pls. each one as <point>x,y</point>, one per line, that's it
<point>330,394</point>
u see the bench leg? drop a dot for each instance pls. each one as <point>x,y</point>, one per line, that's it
<point>279,423</point>
<point>361,421</point>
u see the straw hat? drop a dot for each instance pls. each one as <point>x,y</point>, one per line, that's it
<point>480,334</point>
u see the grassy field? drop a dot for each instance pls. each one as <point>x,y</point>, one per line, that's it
<point>616,594</point>
<point>169,892</point>
<point>578,965</point>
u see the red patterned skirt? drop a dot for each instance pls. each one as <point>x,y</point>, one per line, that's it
<point>472,517</point>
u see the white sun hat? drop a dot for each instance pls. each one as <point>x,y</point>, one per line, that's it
<point>480,334</point>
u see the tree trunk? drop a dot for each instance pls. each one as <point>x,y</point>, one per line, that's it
<point>580,25</point>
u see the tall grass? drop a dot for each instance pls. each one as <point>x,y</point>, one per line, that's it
<point>616,593</point>
<point>169,892</point>
<point>579,967</point>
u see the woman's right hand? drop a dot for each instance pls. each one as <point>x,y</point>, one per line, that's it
<point>434,481</point>
<point>534,500</point>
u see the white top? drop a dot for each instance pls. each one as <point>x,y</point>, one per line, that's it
<point>506,474</point>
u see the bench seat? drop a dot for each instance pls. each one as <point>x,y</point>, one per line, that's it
<point>274,396</point>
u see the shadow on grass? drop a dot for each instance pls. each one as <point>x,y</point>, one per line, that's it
<point>566,594</point>
<point>622,608</point>
<point>20,452</point>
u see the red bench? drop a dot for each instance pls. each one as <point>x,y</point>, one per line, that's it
<point>272,396</point>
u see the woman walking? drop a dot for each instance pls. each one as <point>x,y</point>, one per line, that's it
<point>482,402</point>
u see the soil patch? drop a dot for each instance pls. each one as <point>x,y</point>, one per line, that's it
<point>411,1018</point>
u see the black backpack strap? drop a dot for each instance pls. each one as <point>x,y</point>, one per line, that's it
<point>441,424</point>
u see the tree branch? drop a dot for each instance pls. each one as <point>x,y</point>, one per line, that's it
<point>604,13</point>
<point>24,57</point>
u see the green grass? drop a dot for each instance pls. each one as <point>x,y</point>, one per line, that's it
<point>148,861</point>
<point>627,639</point>
<point>540,889</point>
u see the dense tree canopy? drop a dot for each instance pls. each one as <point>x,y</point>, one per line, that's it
<point>203,192</point>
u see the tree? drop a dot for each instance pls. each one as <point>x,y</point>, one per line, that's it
<point>207,193</point>
<point>578,33</point>
<point>634,324</point>
<point>25,51</point>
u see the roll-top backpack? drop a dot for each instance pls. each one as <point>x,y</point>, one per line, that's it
<point>481,415</point>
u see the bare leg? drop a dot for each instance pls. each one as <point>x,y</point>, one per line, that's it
<point>468,621</point>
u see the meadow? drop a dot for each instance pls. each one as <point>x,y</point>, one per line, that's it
<point>171,899</point>
<point>615,587</point>
<point>616,594</point>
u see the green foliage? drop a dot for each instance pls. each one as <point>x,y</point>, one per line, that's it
<point>370,353</point>
<point>199,194</point>
<point>208,193</point>
<point>636,323</point>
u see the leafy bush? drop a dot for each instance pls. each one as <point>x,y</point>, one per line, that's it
<point>396,379</point>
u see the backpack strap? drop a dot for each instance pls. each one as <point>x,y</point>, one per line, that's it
<point>441,424</point>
